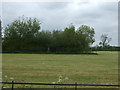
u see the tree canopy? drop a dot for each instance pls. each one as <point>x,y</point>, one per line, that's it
<point>20,33</point>
<point>25,34</point>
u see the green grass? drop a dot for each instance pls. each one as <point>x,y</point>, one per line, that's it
<point>83,69</point>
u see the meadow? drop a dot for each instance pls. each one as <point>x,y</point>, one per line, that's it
<point>49,68</point>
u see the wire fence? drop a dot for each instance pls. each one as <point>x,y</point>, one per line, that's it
<point>60,84</point>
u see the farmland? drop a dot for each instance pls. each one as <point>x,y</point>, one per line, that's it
<point>47,68</point>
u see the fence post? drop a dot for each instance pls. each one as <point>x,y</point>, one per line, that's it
<point>75,85</point>
<point>12,85</point>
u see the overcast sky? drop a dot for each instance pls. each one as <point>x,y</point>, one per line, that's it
<point>102,16</point>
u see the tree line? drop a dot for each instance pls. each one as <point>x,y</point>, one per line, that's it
<point>25,34</point>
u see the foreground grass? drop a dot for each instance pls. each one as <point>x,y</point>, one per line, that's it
<point>83,69</point>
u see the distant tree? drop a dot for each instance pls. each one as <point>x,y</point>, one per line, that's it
<point>105,40</point>
<point>20,33</point>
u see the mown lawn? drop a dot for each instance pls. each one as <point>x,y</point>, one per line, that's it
<point>83,69</point>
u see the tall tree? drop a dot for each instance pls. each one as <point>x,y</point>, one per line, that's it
<point>69,37</point>
<point>43,40</point>
<point>85,37</point>
<point>21,32</point>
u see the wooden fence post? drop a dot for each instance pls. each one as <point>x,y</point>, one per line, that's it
<point>75,85</point>
<point>12,85</point>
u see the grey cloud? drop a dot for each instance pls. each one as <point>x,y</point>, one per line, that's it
<point>109,6</point>
<point>53,6</point>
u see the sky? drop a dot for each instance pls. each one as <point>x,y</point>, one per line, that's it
<point>102,16</point>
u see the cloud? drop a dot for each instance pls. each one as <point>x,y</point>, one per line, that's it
<point>102,16</point>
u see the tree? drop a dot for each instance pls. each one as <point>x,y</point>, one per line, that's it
<point>69,38</point>
<point>105,40</point>
<point>43,40</point>
<point>85,37</point>
<point>20,33</point>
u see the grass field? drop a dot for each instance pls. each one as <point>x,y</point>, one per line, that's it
<point>83,69</point>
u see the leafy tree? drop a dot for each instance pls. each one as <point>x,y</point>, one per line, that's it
<point>69,37</point>
<point>85,37</point>
<point>20,33</point>
<point>43,40</point>
<point>105,40</point>
<point>57,41</point>
<point>71,40</point>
